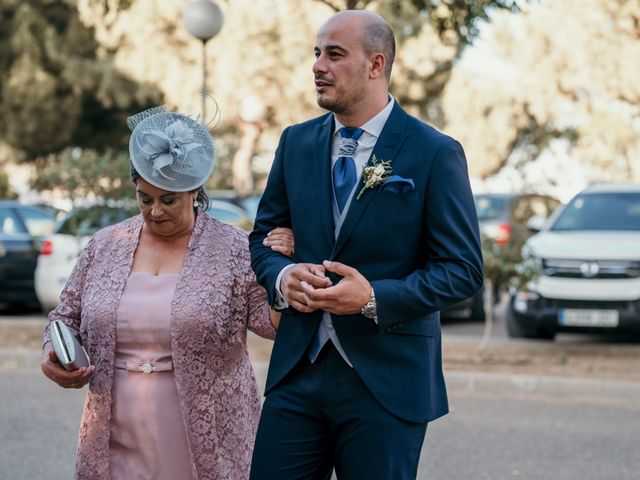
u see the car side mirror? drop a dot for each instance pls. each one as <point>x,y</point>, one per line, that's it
<point>535,223</point>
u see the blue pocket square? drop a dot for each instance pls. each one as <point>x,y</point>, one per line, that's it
<point>398,184</point>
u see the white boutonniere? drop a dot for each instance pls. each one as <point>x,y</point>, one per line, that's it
<point>375,174</point>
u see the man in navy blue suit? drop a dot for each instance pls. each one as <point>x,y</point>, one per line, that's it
<point>386,235</point>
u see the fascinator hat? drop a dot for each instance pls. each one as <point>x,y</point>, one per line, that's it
<point>170,150</point>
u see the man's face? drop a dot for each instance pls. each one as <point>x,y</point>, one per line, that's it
<point>341,66</point>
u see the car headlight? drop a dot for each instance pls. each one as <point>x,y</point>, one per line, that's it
<point>526,272</point>
<point>521,301</point>
<point>531,266</point>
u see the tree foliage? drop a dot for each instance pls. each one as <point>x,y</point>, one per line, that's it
<point>86,64</point>
<point>560,70</point>
<point>5,189</point>
<point>431,36</point>
<point>504,264</point>
<point>85,174</point>
<point>72,70</point>
<point>58,86</point>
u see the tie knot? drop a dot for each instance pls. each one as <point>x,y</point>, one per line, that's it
<point>351,132</point>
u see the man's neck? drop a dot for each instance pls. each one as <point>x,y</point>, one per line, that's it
<point>371,108</point>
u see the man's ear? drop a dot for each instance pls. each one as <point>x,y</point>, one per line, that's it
<point>377,64</point>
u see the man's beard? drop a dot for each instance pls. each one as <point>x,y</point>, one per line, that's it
<point>335,106</point>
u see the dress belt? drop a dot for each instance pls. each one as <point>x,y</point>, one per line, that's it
<point>145,367</point>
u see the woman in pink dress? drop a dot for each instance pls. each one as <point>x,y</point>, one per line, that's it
<point>162,303</point>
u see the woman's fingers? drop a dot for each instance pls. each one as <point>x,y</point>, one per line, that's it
<point>281,240</point>
<point>52,368</point>
<point>280,230</point>
<point>281,244</point>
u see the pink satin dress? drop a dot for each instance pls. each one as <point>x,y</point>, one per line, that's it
<point>148,434</point>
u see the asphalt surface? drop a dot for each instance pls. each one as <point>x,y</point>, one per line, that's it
<point>489,434</point>
<point>528,410</point>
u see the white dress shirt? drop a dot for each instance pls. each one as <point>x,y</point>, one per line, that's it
<point>371,132</point>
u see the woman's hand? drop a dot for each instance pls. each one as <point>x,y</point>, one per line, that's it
<point>53,370</point>
<point>274,316</point>
<point>281,240</point>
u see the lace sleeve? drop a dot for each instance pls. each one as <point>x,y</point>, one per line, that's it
<point>258,320</point>
<point>69,308</point>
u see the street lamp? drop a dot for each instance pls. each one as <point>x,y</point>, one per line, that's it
<point>203,19</point>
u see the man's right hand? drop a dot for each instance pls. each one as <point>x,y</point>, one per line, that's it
<point>291,284</point>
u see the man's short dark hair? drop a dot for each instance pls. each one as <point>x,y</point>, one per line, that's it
<point>379,38</point>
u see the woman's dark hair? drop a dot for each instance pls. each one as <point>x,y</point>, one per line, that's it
<point>201,196</point>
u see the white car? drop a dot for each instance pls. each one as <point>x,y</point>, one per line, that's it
<point>588,259</point>
<point>59,251</point>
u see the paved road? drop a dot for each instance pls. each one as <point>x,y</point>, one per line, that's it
<point>499,427</point>
<point>497,437</point>
<point>488,436</point>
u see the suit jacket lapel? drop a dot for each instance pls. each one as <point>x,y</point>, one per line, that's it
<point>322,171</point>
<point>391,138</point>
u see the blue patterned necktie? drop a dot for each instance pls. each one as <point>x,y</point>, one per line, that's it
<point>344,170</point>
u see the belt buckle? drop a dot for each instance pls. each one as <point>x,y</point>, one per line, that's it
<point>147,368</point>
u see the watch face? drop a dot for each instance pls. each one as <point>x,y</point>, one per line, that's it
<point>370,309</point>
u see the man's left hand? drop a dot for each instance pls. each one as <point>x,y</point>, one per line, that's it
<point>348,296</point>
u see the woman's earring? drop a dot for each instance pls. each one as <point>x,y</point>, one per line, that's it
<point>196,204</point>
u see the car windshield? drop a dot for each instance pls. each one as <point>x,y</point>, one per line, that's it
<point>601,211</point>
<point>88,222</point>
<point>10,223</point>
<point>489,207</point>
<point>225,214</point>
<point>39,222</point>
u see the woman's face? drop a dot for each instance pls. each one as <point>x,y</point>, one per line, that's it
<point>165,213</point>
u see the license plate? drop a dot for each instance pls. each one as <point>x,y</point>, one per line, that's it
<point>588,318</point>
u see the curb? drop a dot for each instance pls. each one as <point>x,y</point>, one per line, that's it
<point>15,359</point>
<point>566,387</point>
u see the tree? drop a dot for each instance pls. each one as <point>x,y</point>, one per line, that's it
<point>264,52</point>
<point>85,174</point>
<point>57,85</point>
<point>562,81</point>
<point>111,57</point>
<point>5,189</point>
<point>431,35</point>
<point>258,54</point>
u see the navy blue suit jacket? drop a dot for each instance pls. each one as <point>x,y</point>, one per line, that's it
<point>420,250</point>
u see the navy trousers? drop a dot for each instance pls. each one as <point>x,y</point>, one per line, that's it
<point>321,417</point>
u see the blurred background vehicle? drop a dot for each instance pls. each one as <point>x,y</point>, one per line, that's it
<point>588,261</point>
<point>470,309</point>
<point>60,250</point>
<point>231,213</point>
<point>501,217</point>
<point>248,204</point>
<point>21,229</point>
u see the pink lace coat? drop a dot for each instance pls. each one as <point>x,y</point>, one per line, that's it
<point>216,300</point>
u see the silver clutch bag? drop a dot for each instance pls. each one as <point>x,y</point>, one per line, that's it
<point>67,347</point>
